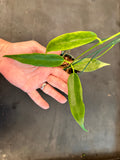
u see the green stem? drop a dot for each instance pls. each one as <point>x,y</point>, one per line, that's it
<point>100,42</point>
<point>117,34</point>
<point>105,52</point>
<point>88,50</point>
<point>73,68</point>
<point>98,51</point>
<point>90,61</point>
<point>110,45</point>
<point>70,65</point>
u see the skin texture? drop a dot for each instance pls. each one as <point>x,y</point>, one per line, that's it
<point>29,78</point>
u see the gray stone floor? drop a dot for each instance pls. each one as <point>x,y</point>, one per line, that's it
<point>29,133</point>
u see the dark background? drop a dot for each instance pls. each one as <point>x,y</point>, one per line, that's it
<point>28,132</point>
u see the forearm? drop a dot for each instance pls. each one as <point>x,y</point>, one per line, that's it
<point>3,44</point>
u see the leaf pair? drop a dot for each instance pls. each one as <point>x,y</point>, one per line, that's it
<point>62,42</point>
<point>75,94</point>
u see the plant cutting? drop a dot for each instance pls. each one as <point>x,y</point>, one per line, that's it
<point>85,62</point>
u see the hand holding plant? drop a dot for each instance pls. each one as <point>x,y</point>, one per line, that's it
<point>83,63</point>
<point>29,78</point>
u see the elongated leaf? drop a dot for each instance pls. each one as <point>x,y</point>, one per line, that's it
<point>71,40</point>
<point>93,65</point>
<point>75,97</point>
<point>36,59</point>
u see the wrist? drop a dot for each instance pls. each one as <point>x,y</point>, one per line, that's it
<point>3,45</point>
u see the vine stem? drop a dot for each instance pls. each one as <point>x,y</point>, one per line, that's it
<point>105,52</point>
<point>88,50</point>
<point>111,37</point>
<point>100,42</point>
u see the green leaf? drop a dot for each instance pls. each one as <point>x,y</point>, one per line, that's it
<point>37,59</point>
<point>93,65</point>
<point>71,40</point>
<point>75,97</point>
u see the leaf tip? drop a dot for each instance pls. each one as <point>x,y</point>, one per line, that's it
<point>104,64</point>
<point>83,127</point>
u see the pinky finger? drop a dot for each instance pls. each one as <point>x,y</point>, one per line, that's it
<point>35,96</point>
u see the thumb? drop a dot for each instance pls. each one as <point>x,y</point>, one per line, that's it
<point>38,48</point>
<point>30,47</point>
<point>25,47</point>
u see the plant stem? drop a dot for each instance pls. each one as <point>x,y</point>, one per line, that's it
<point>117,34</point>
<point>100,42</point>
<point>101,49</point>
<point>70,65</point>
<point>90,61</point>
<point>95,53</point>
<point>88,50</point>
<point>105,52</point>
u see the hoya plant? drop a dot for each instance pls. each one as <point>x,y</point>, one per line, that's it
<point>85,62</point>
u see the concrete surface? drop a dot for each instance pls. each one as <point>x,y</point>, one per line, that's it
<point>29,133</point>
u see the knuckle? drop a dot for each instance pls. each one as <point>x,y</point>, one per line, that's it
<point>34,46</point>
<point>34,43</point>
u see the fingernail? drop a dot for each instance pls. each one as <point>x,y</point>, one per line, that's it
<point>45,107</point>
<point>64,101</point>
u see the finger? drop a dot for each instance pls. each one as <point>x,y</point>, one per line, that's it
<point>53,93</point>
<point>34,46</point>
<point>57,83</point>
<point>55,52</point>
<point>35,96</point>
<point>58,72</point>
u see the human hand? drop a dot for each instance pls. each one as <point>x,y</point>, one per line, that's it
<point>29,78</point>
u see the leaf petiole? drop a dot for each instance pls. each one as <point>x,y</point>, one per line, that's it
<point>70,65</point>
<point>100,41</point>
